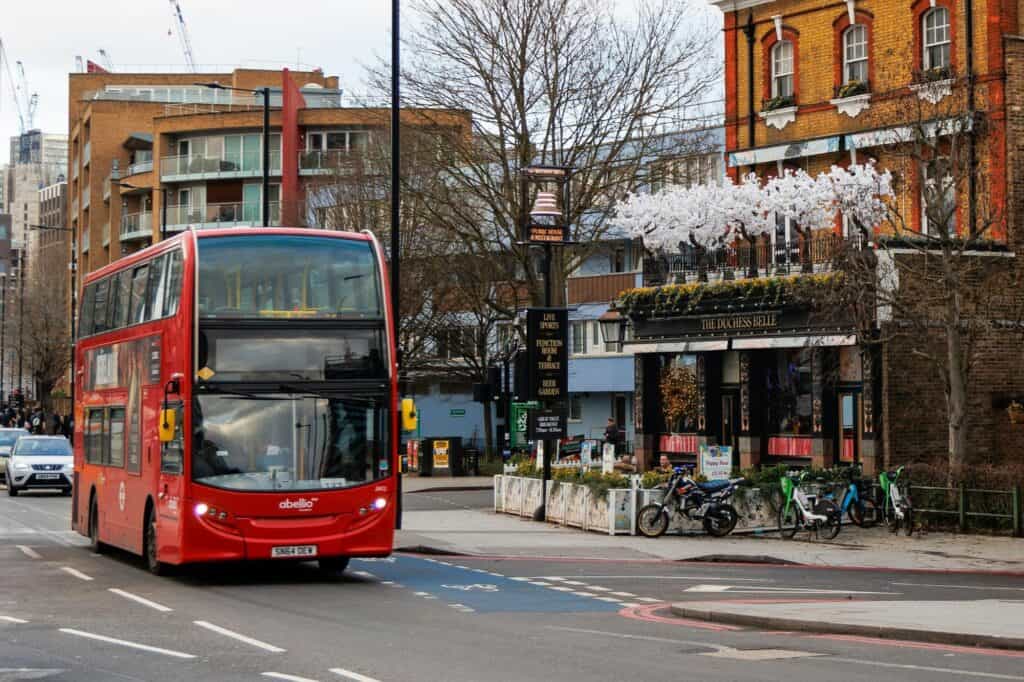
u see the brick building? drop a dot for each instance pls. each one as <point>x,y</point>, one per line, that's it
<point>154,154</point>
<point>811,84</point>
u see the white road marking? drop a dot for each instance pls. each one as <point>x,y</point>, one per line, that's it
<point>584,594</point>
<point>646,638</point>
<point>552,578</point>
<point>672,577</point>
<point>608,599</point>
<point>762,589</point>
<point>560,588</point>
<point>126,643</point>
<point>925,668</point>
<point>520,579</point>
<point>388,582</point>
<point>572,582</point>
<point>539,583</point>
<point>75,572</point>
<point>707,588</point>
<point>623,594</point>
<point>141,600</point>
<point>364,574</point>
<point>348,674</point>
<point>629,605</point>
<point>496,575</point>
<point>599,589</point>
<point>284,676</point>
<point>649,600</point>
<point>960,587</point>
<point>241,638</point>
<point>12,619</point>
<point>421,594</point>
<point>430,596</point>
<point>29,552</point>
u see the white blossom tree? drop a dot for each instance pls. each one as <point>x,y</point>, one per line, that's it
<point>807,201</point>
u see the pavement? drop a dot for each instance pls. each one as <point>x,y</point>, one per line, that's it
<point>411,483</point>
<point>69,615</point>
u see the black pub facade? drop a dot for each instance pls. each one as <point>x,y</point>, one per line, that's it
<point>750,364</point>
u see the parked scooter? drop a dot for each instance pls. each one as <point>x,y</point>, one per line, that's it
<point>706,502</point>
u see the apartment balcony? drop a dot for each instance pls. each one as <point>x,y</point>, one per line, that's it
<point>106,187</point>
<point>336,161</point>
<point>74,170</point>
<point>235,214</point>
<point>85,239</point>
<point>815,254</point>
<point>140,167</point>
<point>226,167</point>
<point>74,206</point>
<point>106,234</point>
<point>86,153</point>
<point>136,226</point>
<point>85,197</point>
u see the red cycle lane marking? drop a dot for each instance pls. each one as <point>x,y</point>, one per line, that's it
<point>646,613</point>
<point>975,651</point>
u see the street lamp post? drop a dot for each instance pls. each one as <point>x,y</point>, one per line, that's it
<point>265,92</point>
<point>396,200</point>
<point>3,334</point>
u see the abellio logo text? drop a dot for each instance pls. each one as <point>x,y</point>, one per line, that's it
<point>301,504</point>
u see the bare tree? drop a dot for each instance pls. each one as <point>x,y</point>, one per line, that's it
<point>563,82</point>
<point>43,337</point>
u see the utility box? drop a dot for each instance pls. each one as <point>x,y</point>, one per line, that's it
<point>441,457</point>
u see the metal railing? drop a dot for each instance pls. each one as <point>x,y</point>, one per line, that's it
<point>228,165</point>
<point>74,170</point>
<point>86,153</point>
<point>106,233</point>
<point>74,206</point>
<point>221,214</point>
<point>136,225</point>
<point>106,187</point>
<point>798,255</point>
<point>85,239</point>
<point>86,194</point>
<point>341,160</point>
<point>140,167</point>
<point>967,504</point>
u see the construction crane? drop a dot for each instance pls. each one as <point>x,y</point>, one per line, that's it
<point>108,63</point>
<point>186,44</point>
<point>24,104</point>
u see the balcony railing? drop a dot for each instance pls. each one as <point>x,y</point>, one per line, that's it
<point>74,170</point>
<point>202,166</point>
<point>74,206</point>
<point>335,160</point>
<point>106,187</point>
<point>86,153</point>
<point>798,256</point>
<point>86,192</point>
<point>136,225</point>
<point>85,239</point>
<point>140,167</point>
<point>220,215</point>
<point>106,234</point>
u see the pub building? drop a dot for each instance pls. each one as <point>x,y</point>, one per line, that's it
<point>778,382</point>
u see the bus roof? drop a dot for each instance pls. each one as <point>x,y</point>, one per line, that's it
<point>168,243</point>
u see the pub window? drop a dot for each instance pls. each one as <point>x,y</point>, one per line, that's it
<point>789,392</point>
<point>115,437</point>
<point>855,54</point>
<point>575,407</point>
<point>937,38</point>
<point>678,387</point>
<point>782,69</point>
<point>139,278</point>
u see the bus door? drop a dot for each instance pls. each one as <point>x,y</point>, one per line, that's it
<point>170,489</point>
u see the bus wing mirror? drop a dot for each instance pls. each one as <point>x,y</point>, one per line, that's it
<point>167,421</point>
<point>410,419</point>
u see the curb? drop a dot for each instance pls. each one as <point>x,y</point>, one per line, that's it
<point>681,610</point>
<point>454,488</point>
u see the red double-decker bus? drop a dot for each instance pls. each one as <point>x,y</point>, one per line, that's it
<point>238,400</point>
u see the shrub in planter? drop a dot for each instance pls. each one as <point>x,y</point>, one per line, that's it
<point>852,89</point>
<point>779,103</point>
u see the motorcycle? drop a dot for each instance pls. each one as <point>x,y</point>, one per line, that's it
<point>705,502</point>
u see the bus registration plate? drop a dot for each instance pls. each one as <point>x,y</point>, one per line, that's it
<point>289,551</point>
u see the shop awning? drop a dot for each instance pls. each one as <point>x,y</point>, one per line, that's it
<point>794,341</point>
<point>795,150</point>
<point>904,134</point>
<point>677,346</point>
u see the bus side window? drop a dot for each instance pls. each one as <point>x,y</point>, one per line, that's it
<point>155,288</point>
<point>122,298</point>
<point>172,453</point>
<point>139,278</point>
<point>173,284</point>
<point>88,303</point>
<point>115,437</point>
<point>94,437</point>
<point>100,311</point>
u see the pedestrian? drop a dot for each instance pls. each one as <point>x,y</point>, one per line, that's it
<point>664,465</point>
<point>38,422</point>
<point>56,427</point>
<point>611,432</point>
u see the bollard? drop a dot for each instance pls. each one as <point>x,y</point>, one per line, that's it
<point>1018,513</point>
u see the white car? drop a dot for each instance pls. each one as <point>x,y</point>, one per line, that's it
<point>8,437</point>
<point>40,462</point>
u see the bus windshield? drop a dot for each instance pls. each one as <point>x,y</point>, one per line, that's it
<point>287,276</point>
<point>264,442</point>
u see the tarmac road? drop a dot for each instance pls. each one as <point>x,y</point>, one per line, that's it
<point>67,614</point>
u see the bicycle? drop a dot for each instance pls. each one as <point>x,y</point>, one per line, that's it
<point>897,508</point>
<point>857,500</point>
<point>795,512</point>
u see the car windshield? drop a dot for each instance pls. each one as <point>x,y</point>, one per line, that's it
<point>288,442</point>
<point>42,446</point>
<point>8,437</point>
<point>287,277</point>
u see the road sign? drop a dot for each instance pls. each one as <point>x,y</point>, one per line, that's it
<point>457,413</point>
<point>547,334</point>
<point>547,424</point>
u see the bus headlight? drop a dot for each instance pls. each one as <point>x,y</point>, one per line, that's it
<point>201,509</point>
<point>380,503</point>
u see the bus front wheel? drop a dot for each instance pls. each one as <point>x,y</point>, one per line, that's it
<point>153,564</point>
<point>333,564</point>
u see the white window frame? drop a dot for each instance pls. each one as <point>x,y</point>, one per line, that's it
<point>778,75</point>
<point>848,45</point>
<point>947,42</point>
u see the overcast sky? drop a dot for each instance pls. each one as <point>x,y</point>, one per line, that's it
<point>337,35</point>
